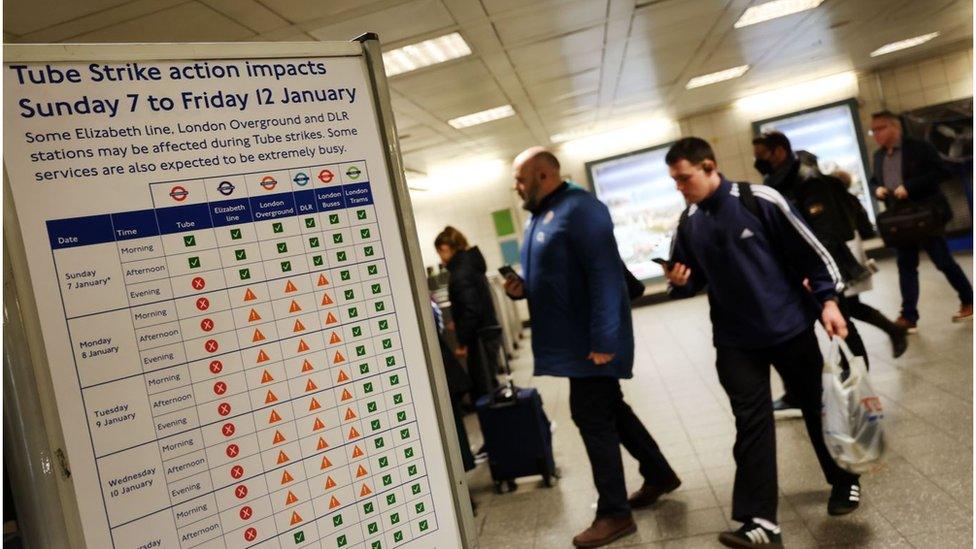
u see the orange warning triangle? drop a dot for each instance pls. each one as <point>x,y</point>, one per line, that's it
<point>263,356</point>
<point>282,457</point>
<point>298,326</point>
<point>326,300</point>
<point>331,319</point>
<point>346,395</point>
<point>361,472</point>
<point>350,414</point>
<point>249,295</point>
<point>310,386</point>
<point>342,377</point>
<point>322,446</point>
<point>338,358</point>
<point>270,397</point>
<point>295,518</point>
<point>258,336</point>
<point>329,483</point>
<point>278,437</point>
<point>365,491</point>
<point>290,287</point>
<point>322,280</point>
<point>286,478</point>
<point>253,316</point>
<point>326,463</point>
<point>266,377</point>
<point>274,417</point>
<point>335,339</point>
<point>302,346</point>
<point>318,425</point>
<point>295,307</point>
<point>314,405</point>
<point>306,366</point>
<point>357,451</point>
<point>292,498</point>
<point>333,503</point>
<point>353,433</point>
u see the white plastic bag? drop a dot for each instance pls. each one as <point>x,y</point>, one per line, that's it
<point>851,412</point>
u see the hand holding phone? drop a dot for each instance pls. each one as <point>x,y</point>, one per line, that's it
<point>662,262</point>
<point>514,285</point>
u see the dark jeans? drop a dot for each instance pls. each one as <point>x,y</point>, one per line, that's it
<point>866,313</point>
<point>744,374</point>
<point>484,378</point>
<point>938,250</point>
<point>605,422</point>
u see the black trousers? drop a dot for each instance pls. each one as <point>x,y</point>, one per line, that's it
<point>866,313</point>
<point>853,341</point>
<point>605,422</point>
<point>744,374</point>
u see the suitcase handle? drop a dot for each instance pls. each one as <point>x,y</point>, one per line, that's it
<point>490,336</point>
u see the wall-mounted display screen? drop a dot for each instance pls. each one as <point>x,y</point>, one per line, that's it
<point>833,133</point>
<point>643,203</point>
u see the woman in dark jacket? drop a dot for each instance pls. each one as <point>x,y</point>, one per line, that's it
<point>471,304</point>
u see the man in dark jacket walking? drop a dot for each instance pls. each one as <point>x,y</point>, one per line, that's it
<point>907,169</point>
<point>581,329</point>
<point>753,265</point>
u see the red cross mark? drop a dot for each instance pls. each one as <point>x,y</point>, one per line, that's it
<point>203,304</point>
<point>240,492</point>
<point>206,325</point>
<point>228,429</point>
<point>250,534</point>
<point>233,450</point>
<point>199,283</point>
<point>246,512</point>
<point>211,346</point>
<point>223,409</point>
<point>220,388</point>
<point>216,366</point>
<point>237,471</point>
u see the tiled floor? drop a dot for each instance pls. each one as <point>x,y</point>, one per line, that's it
<point>921,498</point>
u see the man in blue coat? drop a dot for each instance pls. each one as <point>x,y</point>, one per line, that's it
<point>581,329</point>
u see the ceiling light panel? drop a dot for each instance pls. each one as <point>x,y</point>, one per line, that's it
<point>904,44</point>
<point>715,77</point>
<point>424,54</point>
<point>774,10</point>
<point>481,117</point>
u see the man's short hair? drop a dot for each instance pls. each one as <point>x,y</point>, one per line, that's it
<point>693,149</point>
<point>887,115</point>
<point>759,140</point>
<point>548,158</point>
<point>774,140</point>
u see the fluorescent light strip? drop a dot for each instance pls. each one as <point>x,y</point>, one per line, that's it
<point>774,10</point>
<point>426,53</point>
<point>904,44</point>
<point>720,76</point>
<point>481,117</point>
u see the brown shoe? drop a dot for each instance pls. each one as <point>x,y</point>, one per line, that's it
<point>909,326</point>
<point>965,313</point>
<point>605,530</point>
<point>649,494</point>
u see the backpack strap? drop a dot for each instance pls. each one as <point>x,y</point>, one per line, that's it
<point>749,200</point>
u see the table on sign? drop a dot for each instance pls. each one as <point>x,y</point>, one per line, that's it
<point>238,355</point>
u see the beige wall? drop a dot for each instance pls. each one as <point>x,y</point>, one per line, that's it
<point>468,204</point>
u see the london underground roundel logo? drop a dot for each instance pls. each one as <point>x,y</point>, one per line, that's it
<point>268,183</point>
<point>326,176</point>
<point>179,193</point>
<point>301,179</point>
<point>225,188</point>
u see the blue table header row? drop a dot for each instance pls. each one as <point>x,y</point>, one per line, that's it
<point>98,229</point>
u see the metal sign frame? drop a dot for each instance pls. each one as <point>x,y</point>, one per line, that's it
<point>33,433</point>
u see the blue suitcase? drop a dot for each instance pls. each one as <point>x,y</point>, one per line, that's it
<point>517,434</point>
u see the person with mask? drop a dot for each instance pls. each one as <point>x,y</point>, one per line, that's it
<point>471,305</point>
<point>822,204</point>
<point>768,280</point>
<point>582,329</point>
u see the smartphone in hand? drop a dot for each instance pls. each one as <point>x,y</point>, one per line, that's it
<point>508,272</point>
<point>662,262</point>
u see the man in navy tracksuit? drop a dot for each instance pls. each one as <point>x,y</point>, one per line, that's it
<point>756,268</point>
<point>581,329</point>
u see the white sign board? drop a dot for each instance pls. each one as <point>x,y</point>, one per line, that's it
<point>221,283</point>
